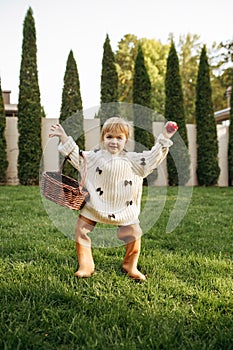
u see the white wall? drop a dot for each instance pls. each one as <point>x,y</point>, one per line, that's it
<point>11,134</point>
<point>162,169</point>
<point>49,145</point>
<point>223,132</point>
<point>191,133</point>
<point>92,130</point>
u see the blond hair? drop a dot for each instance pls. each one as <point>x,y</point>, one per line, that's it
<point>115,124</point>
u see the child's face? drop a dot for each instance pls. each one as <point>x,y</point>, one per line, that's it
<point>114,142</point>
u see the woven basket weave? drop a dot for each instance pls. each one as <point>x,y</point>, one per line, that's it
<point>64,190</point>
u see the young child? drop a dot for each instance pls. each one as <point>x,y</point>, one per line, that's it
<point>114,180</point>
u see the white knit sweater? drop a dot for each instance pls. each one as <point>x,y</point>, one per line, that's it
<point>115,181</point>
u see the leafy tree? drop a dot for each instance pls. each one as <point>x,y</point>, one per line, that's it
<point>3,154</point>
<point>109,84</point>
<point>125,60</point>
<point>178,160</point>
<point>230,144</point>
<point>155,61</point>
<point>155,57</point>
<point>29,108</point>
<point>71,114</point>
<point>228,52</point>
<point>220,75</point>
<point>189,48</point>
<point>207,145</point>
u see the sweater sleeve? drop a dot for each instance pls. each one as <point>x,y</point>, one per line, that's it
<point>144,163</point>
<point>71,149</point>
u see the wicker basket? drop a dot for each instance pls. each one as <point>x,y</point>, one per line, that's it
<point>64,190</point>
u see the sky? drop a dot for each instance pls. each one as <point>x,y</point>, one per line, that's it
<point>82,26</point>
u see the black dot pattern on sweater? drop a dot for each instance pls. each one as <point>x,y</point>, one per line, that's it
<point>100,191</point>
<point>126,182</point>
<point>143,161</point>
<point>111,216</point>
<point>98,170</point>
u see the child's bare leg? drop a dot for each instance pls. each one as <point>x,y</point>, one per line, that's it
<point>131,235</point>
<point>83,247</point>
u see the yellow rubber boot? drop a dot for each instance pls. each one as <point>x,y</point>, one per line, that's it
<point>130,261</point>
<point>83,247</point>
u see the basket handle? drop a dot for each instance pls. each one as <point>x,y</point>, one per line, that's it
<point>85,167</point>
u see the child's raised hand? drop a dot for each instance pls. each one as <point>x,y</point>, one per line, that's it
<point>170,129</point>
<point>57,130</point>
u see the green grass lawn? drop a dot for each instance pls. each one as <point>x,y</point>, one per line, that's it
<point>186,302</point>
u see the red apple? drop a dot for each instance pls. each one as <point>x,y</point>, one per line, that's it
<point>171,127</point>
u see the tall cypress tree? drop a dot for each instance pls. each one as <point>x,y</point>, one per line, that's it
<point>230,144</point>
<point>207,144</point>
<point>178,160</point>
<point>71,96</point>
<point>71,114</point>
<point>109,84</point>
<point>29,108</point>
<point>142,98</point>
<point>72,100</point>
<point>3,154</point>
